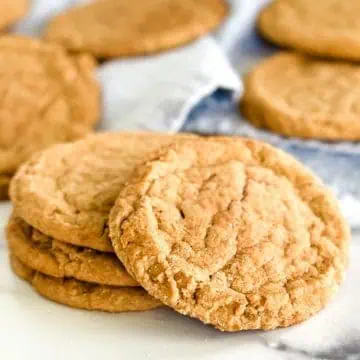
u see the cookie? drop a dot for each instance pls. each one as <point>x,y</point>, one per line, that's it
<point>235,233</point>
<point>67,191</point>
<point>47,97</point>
<point>121,28</point>
<point>295,95</point>
<point>326,28</point>
<point>82,295</point>
<point>12,11</point>
<point>20,269</point>
<point>61,260</point>
<point>4,186</point>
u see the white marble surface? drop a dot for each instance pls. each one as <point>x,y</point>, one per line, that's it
<point>34,328</point>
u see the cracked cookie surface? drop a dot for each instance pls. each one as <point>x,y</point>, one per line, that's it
<point>119,28</point>
<point>12,11</point>
<point>82,295</point>
<point>67,191</point>
<point>326,28</point>
<point>47,97</point>
<point>235,233</point>
<point>61,260</point>
<point>295,95</point>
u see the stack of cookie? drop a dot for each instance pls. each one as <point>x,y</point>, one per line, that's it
<point>59,228</point>
<point>230,231</point>
<point>300,93</point>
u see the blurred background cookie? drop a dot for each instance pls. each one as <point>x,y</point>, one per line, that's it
<point>297,95</point>
<point>327,28</point>
<point>47,97</point>
<point>119,28</point>
<point>12,11</point>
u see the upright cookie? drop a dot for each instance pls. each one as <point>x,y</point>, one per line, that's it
<point>119,28</point>
<point>327,28</point>
<point>295,95</point>
<point>12,11</point>
<point>61,260</point>
<point>235,233</point>
<point>82,295</point>
<point>67,191</point>
<point>47,97</point>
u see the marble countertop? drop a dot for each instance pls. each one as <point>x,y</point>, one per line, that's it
<point>34,328</point>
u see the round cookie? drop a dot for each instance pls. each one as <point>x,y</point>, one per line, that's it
<point>295,95</point>
<point>12,11</point>
<point>235,233</point>
<point>326,28</point>
<point>67,191</point>
<point>61,260</point>
<point>120,28</point>
<point>47,97</point>
<point>82,295</point>
<point>20,269</point>
<point>4,186</point>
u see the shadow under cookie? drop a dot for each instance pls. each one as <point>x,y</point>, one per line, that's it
<point>299,96</point>
<point>4,186</point>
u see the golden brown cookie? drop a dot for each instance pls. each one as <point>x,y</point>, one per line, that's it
<point>61,260</point>
<point>295,95</point>
<point>66,192</point>
<point>82,295</point>
<point>20,269</point>
<point>4,186</point>
<point>235,233</point>
<point>327,28</point>
<point>47,97</point>
<point>12,11</point>
<point>119,28</point>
